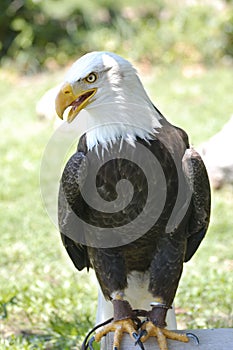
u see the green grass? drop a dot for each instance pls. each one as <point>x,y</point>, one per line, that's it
<point>44,302</point>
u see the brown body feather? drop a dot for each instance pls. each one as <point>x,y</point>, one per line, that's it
<point>159,251</point>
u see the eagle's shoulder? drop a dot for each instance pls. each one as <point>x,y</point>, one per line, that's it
<point>174,138</point>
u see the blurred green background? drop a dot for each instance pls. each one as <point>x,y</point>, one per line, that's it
<point>37,33</point>
<point>183,50</point>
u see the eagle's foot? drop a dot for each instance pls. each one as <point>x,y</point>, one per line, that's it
<point>148,329</point>
<point>119,328</point>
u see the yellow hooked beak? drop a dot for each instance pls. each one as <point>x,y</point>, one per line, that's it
<point>67,98</point>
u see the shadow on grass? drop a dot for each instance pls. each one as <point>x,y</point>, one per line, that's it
<point>60,334</point>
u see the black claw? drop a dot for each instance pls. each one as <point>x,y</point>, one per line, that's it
<point>143,332</point>
<point>141,345</point>
<point>137,337</point>
<point>194,337</point>
<point>91,341</point>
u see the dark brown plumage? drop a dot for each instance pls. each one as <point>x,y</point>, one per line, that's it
<point>160,252</point>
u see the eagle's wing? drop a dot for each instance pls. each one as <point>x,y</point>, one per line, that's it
<point>197,178</point>
<point>71,209</point>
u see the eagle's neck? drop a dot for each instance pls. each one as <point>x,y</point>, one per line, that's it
<point>126,121</point>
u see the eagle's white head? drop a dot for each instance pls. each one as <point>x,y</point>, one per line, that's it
<point>107,88</point>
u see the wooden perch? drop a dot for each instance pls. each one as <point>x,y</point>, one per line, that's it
<point>210,339</point>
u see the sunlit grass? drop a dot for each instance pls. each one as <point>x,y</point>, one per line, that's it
<point>193,97</point>
<point>45,303</point>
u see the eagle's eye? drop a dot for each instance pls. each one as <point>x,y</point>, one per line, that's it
<point>91,78</point>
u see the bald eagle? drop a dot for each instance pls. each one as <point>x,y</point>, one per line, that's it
<point>134,199</point>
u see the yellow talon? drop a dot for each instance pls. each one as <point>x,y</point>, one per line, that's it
<point>161,334</point>
<point>119,328</point>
